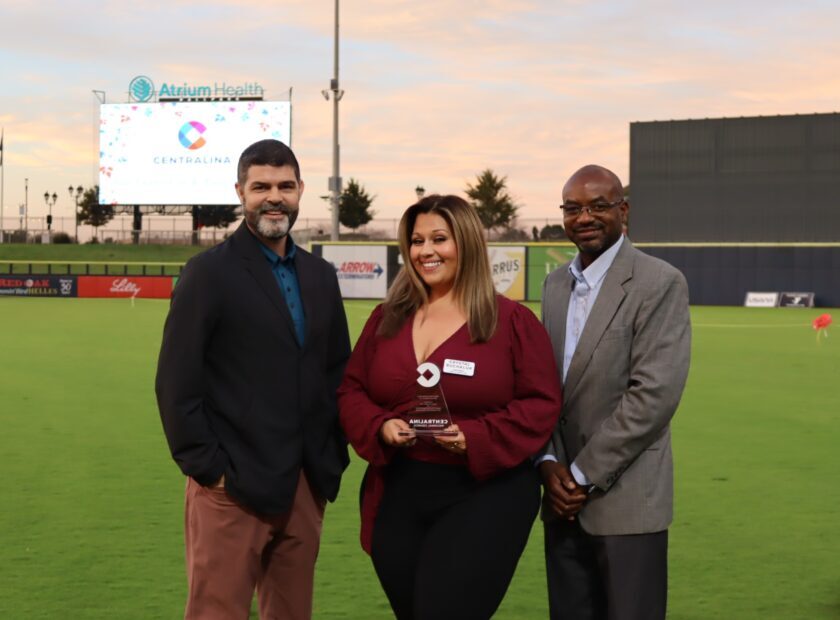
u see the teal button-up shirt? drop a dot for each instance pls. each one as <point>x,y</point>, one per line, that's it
<point>283,268</point>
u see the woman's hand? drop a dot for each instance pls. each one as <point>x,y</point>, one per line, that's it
<point>390,435</point>
<point>456,444</point>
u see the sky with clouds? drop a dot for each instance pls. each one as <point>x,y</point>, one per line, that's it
<point>436,90</point>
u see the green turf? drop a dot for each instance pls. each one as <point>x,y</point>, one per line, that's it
<point>99,259</point>
<point>91,519</point>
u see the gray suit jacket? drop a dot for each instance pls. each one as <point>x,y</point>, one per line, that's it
<point>623,386</point>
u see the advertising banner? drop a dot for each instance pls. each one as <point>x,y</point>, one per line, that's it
<point>181,153</point>
<point>507,266</point>
<point>37,286</point>
<point>365,271</point>
<point>796,300</point>
<point>761,299</point>
<point>542,260</point>
<point>361,269</point>
<point>153,287</point>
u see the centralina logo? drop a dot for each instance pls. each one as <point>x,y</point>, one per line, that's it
<point>190,135</point>
<point>141,89</point>
<point>66,286</point>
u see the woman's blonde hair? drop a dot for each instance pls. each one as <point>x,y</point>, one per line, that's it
<point>473,286</point>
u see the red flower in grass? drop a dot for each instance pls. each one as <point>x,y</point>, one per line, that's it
<point>822,322</point>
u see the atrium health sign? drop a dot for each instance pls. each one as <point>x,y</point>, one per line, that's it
<point>361,269</point>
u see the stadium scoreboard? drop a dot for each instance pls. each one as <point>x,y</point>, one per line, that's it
<point>181,152</point>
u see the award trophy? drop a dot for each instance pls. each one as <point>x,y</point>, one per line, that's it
<point>429,415</point>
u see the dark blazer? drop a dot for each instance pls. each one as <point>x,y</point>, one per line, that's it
<point>237,394</point>
<point>622,389</point>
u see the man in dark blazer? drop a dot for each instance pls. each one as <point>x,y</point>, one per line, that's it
<point>253,351</point>
<point>619,323</point>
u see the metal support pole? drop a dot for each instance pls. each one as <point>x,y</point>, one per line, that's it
<point>50,202</point>
<point>76,197</point>
<point>334,184</point>
<point>25,209</point>
<point>2,185</point>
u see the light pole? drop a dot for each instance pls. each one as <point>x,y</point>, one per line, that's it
<point>25,209</point>
<point>77,196</point>
<point>50,200</point>
<point>334,184</point>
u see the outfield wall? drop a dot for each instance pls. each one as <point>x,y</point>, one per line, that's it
<point>365,270</point>
<point>34,285</point>
<point>722,275</point>
<point>717,274</point>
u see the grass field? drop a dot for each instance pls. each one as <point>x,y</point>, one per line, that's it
<point>91,519</point>
<point>99,259</point>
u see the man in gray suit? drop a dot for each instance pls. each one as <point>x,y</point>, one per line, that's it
<point>619,322</point>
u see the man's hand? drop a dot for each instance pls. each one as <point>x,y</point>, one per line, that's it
<point>565,497</point>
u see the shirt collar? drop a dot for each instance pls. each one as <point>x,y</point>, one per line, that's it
<point>274,258</point>
<point>596,271</point>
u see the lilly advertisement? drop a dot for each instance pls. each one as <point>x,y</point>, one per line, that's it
<point>181,153</point>
<point>150,287</point>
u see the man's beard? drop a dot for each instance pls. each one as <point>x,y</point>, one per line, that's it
<point>272,229</point>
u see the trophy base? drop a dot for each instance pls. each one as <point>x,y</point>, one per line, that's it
<point>428,433</point>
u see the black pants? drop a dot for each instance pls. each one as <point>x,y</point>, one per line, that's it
<point>605,577</point>
<point>446,546</point>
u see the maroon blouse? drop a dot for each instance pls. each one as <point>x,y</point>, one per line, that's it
<point>506,410</point>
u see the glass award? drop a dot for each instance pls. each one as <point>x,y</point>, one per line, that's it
<point>429,414</point>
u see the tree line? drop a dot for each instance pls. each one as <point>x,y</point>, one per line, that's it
<point>489,194</point>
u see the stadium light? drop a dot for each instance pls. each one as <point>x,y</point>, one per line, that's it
<point>77,197</point>
<point>334,183</point>
<point>50,200</point>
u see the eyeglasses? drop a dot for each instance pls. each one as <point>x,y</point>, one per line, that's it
<point>596,208</point>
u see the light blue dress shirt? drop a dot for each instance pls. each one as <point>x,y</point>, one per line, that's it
<point>585,289</point>
<point>587,285</point>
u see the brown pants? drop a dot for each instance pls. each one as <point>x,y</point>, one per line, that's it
<point>231,551</point>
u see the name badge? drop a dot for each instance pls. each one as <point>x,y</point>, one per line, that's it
<point>459,367</point>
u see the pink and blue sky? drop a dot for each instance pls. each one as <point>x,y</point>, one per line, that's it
<point>436,90</point>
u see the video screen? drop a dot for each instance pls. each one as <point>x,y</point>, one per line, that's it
<point>181,153</point>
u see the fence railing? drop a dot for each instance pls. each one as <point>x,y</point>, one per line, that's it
<point>177,229</point>
<point>89,268</point>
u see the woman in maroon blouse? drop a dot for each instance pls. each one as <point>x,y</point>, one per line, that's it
<point>445,519</point>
